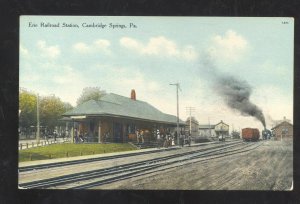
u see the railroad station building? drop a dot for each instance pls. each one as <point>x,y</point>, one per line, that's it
<point>222,129</point>
<point>283,130</point>
<point>115,118</point>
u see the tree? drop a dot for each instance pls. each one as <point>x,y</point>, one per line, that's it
<point>51,109</point>
<point>67,106</point>
<point>27,106</point>
<point>89,93</point>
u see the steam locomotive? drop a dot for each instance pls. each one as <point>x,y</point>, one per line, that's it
<point>266,134</point>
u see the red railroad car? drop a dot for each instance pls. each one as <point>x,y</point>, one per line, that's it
<point>250,134</point>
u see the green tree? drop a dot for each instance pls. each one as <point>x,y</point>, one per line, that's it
<point>51,109</point>
<point>89,93</point>
<point>68,106</point>
<point>27,106</point>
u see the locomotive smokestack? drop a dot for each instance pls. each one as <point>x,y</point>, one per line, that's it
<point>133,95</point>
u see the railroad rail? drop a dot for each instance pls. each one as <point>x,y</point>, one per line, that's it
<point>99,177</point>
<point>103,158</point>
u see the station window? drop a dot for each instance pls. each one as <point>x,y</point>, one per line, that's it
<point>285,130</point>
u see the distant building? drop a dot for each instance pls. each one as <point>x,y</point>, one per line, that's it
<point>283,130</point>
<point>220,128</point>
<point>207,131</point>
<point>192,125</point>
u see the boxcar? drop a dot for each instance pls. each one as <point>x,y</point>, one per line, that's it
<point>250,134</point>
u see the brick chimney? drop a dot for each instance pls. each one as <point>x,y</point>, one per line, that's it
<point>133,96</point>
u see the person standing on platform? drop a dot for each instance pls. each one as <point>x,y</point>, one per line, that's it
<point>142,136</point>
<point>137,136</point>
<point>76,136</point>
<point>181,137</point>
<point>189,140</point>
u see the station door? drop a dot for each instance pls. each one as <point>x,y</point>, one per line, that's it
<point>118,135</point>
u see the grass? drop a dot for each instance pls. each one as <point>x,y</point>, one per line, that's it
<point>70,150</point>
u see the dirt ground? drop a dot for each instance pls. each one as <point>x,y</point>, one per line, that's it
<point>269,167</point>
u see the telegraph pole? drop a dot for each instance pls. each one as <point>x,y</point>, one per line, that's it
<point>37,120</point>
<point>177,87</point>
<point>189,110</point>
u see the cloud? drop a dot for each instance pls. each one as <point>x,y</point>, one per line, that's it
<point>48,51</point>
<point>103,45</point>
<point>29,77</point>
<point>65,75</point>
<point>159,46</point>
<point>66,82</point>
<point>230,48</point>
<point>81,47</point>
<point>23,51</point>
<point>100,45</point>
<point>137,80</point>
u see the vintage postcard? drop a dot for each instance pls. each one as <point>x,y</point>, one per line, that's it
<point>156,103</point>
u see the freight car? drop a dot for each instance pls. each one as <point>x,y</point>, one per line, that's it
<point>250,134</point>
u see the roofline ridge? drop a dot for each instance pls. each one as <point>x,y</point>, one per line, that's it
<point>281,123</point>
<point>127,97</point>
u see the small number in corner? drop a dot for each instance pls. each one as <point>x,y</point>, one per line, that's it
<point>284,22</point>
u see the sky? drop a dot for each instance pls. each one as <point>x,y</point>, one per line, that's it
<point>118,54</point>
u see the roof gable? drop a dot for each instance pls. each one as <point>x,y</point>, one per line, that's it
<point>222,123</point>
<point>282,123</point>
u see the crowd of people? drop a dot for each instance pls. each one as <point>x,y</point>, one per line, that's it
<point>166,139</point>
<point>79,137</point>
<point>140,136</point>
<point>163,138</point>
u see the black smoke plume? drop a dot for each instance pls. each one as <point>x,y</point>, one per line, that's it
<point>236,94</point>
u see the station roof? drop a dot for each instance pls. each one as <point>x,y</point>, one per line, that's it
<point>120,106</point>
<point>221,122</point>
<point>282,124</point>
<point>206,126</point>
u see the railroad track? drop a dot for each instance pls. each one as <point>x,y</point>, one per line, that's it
<point>99,177</point>
<point>74,162</point>
<point>81,161</point>
<point>163,167</point>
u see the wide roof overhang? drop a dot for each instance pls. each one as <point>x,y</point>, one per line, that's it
<point>87,116</point>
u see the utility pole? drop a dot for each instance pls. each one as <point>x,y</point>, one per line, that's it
<point>37,120</point>
<point>190,110</point>
<point>177,87</point>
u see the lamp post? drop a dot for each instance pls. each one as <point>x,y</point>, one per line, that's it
<point>177,87</point>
